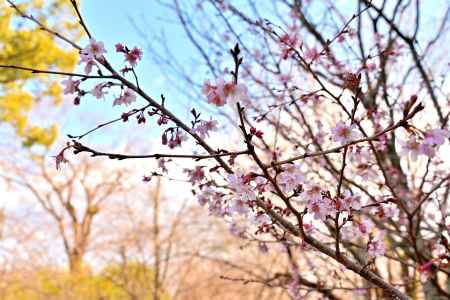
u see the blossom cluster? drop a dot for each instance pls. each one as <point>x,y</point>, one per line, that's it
<point>224,92</point>
<point>428,145</point>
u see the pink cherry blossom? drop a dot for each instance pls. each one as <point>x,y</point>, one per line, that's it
<point>376,247</point>
<point>133,56</point>
<point>291,178</point>
<point>224,92</point>
<point>214,93</point>
<point>196,175</point>
<point>312,54</point>
<point>94,50</point>
<point>126,98</point>
<point>347,201</point>
<point>288,41</point>
<point>89,65</point>
<point>313,193</point>
<point>410,147</point>
<point>176,139</point>
<point>320,208</point>
<point>235,93</point>
<point>70,86</point>
<point>365,227</point>
<point>238,183</point>
<point>119,47</point>
<point>98,92</point>
<point>343,133</point>
<point>387,211</point>
<point>436,137</point>
<point>204,127</point>
<point>239,206</point>
<point>427,149</point>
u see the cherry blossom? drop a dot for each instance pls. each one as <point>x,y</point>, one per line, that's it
<point>343,134</point>
<point>239,206</point>
<point>90,63</point>
<point>235,93</point>
<point>204,127</point>
<point>176,139</point>
<point>410,147</point>
<point>387,211</point>
<point>239,184</point>
<point>133,56</point>
<point>347,201</point>
<point>98,92</point>
<point>289,41</point>
<point>365,227</point>
<point>436,137</point>
<point>320,208</point>
<point>94,50</point>
<point>70,86</point>
<point>119,47</point>
<point>224,92</point>
<point>313,193</point>
<point>376,247</point>
<point>258,133</point>
<point>291,178</point>
<point>196,175</point>
<point>312,54</point>
<point>214,93</point>
<point>126,98</point>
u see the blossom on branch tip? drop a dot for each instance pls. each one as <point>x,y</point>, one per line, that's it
<point>133,56</point>
<point>70,86</point>
<point>119,47</point>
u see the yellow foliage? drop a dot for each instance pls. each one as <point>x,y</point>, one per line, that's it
<point>23,44</point>
<point>59,285</point>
